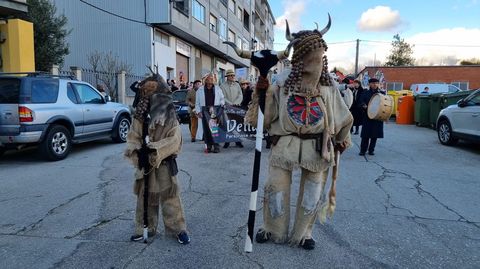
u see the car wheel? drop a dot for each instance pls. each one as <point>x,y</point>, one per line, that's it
<point>121,130</point>
<point>445,135</point>
<point>2,151</point>
<point>57,143</point>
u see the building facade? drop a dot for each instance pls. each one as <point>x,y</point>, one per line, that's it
<point>184,39</point>
<point>465,77</point>
<point>16,37</point>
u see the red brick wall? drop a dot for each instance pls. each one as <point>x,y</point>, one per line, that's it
<point>428,74</point>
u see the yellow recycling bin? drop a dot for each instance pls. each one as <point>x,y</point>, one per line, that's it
<point>396,95</point>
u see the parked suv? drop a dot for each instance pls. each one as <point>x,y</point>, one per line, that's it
<point>55,112</point>
<point>460,121</point>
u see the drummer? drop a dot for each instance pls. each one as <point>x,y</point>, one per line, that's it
<point>371,129</point>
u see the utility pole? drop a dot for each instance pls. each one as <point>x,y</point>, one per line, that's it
<point>356,58</point>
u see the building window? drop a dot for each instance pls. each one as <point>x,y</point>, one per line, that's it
<point>222,28</point>
<point>245,44</point>
<point>239,42</point>
<point>231,36</point>
<point>182,6</point>
<point>224,2</point>
<point>231,5</point>
<point>198,11</point>
<point>246,20</point>
<point>462,85</point>
<point>213,23</point>
<point>239,13</point>
<point>162,38</point>
<point>394,86</point>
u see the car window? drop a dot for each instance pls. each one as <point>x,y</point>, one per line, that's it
<point>179,96</point>
<point>475,100</point>
<point>44,91</point>
<point>452,89</point>
<point>71,93</point>
<point>9,90</point>
<point>88,95</point>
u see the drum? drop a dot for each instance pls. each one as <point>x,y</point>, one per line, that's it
<point>380,107</point>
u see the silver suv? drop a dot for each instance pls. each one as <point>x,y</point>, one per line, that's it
<point>460,121</point>
<point>54,112</point>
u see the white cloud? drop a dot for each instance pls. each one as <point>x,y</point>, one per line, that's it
<point>445,45</point>
<point>380,18</point>
<point>293,11</point>
<point>441,47</point>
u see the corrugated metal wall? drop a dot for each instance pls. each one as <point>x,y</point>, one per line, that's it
<point>95,30</point>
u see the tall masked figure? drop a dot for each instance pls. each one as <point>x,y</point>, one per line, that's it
<point>308,121</point>
<point>153,143</point>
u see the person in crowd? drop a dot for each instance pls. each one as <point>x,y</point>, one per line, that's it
<point>356,109</point>
<point>372,129</point>
<point>233,96</point>
<point>191,95</point>
<point>247,93</point>
<point>209,96</point>
<point>173,85</point>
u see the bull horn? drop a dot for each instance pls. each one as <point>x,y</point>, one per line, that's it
<point>325,30</point>
<point>284,54</point>
<point>316,24</point>
<point>242,53</point>
<point>288,35</point>
<point>151,70</point>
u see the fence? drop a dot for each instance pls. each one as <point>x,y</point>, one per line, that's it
<point>117,85</point>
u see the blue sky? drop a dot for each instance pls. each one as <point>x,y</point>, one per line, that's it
<point>442,31</point>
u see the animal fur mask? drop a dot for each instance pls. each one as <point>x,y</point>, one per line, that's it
<point>154,98</point>
<point>305,42</point>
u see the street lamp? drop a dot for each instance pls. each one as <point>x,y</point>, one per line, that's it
<point>253,44</point>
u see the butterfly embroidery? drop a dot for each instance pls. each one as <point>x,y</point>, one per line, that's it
<point>304,111</point>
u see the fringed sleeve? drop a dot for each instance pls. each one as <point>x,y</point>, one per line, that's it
<point>342,119</point>
<point>134,142</point>
<point>167,146</point>
<point>271,107</point>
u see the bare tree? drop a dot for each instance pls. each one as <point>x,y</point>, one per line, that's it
<point>106,67</point>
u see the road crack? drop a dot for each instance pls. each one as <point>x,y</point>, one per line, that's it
<point>34,225</point>
<point>95,225</point>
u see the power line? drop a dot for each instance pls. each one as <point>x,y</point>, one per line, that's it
<point>328,43</point>
<point>427,45</point>
<point>389,42</point>
<point>114,14</point>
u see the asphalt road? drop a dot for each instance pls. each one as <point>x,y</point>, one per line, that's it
<point>412,205</point>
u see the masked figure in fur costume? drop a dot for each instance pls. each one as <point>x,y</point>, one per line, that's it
<point>308,121</point>
<point>154,105</point>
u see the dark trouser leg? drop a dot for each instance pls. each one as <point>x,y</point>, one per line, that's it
<point>371,147</point>
<point>364,144</point>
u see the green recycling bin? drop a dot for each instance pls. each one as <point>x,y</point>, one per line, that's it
<point>452,98</point>
<point>422,110</point>
<point>435,107</point>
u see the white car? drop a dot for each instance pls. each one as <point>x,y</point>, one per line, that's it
<point>460,121</point>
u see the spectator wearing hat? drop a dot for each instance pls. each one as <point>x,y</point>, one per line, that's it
<point>356,109</point>
<point>191,100</point>
<point>233,96</point>
<point>247,93</point>
<point>371,129</point>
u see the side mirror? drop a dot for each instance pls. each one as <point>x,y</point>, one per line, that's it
<point>461,103</point>
<point>108,98</point>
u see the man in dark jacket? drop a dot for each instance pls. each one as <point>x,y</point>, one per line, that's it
<point>372,129</point>
<point>247,93</point>
<point>356,108</point>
